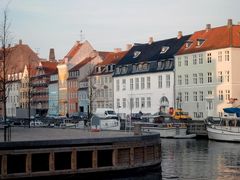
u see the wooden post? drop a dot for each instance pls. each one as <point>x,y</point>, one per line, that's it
<point>74,160</point>
<point>132,156</point>
<point>115,157</point>
<point>51,162</point>
<point>29,163</point>
<point>4,165</point>
<point>94,158</point>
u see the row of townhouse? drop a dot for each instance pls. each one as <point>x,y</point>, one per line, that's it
<point>197,72</point>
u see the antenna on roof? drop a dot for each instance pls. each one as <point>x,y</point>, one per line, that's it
<point>81,35</point>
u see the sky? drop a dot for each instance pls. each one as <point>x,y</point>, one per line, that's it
<point>109,24</point>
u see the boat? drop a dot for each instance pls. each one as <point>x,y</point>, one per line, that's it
<point>227,128</point>
<point>166,126</point>
<point>98,123</point>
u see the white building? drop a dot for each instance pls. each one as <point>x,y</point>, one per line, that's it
<point>207,71</point>
<point>144,78</point>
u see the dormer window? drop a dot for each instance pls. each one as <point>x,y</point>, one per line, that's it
<point>164,49</point>
<point>136,54</point>
<point>200,42</point>
<point>188,44</point>
<point>161,65</point>
<point>118,70</point>
<point>99,69</point>
<point>124,69</point>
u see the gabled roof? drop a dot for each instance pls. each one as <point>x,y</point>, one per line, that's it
<point>112,57</point>
<point>152,52</point>
<point>82,63</point>
<point>18,57</point>
<point>74,50</point>
<point>214,38</point>
<point>50,67</point>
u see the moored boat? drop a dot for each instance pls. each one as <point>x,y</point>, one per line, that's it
<point>228,128</point>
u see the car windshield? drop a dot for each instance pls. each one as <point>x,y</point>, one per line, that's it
<point>111,112</point>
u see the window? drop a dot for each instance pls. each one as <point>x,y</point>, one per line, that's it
<point>123,84</point>
<point>186,79</point>
<point>210,93</point>
<point>220,76</point>
<point>137,102</point>
<point>161,65</point>
<point>186,96</point>
<point>219,56</point>
<point>124,103</point>
<point>188,44</point>
<point>209,77</point>
<point>194,78</point>
<point>160,81</point>
<point>117,85</point>
<point>179,97</point>
<point>167,81</point>
<point>131,84</point>
<point>179,80</point>
<point>118,102</point>
<point>124,69</point>
<point>136,54</point>
<point>194,59</point>
<point>201,95</point>
<point>142,102</point>
<point>220,95</point>
<point>226,55</point>
<point>227,95</point>
<point>136,83</point>
<point>179,62</point>
<point>148,102</point>
<point>164,49</point>
<point>142,82</point>
<point>200,58</point>
<point>194,96</point>
<point>131,103</point>
<point>200,78</point>
<point>148,82</point>
<point>209,58</point>
<point>227,76</point>
<point>200,42</point>
<point>185,60</point>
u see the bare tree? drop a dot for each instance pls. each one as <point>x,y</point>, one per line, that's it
<point>4,55</point>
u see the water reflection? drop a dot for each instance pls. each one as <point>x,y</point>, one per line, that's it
<point>200,159</point>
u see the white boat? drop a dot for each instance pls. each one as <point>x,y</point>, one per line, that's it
<point>228,129</point>
<point>36,123</point>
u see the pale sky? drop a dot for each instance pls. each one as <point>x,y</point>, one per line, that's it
<point>109,24</point>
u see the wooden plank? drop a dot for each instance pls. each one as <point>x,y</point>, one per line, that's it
<point>74,159</point>
<point>51,162</point>
<point>115,157</point>
<point>4,165</point>
<point>94,159</point>
<point>29,163</point>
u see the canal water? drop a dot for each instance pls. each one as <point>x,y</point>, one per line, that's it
<point>195,159</point>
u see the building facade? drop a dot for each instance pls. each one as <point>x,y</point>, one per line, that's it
<point>144,77</point>
<point>53,109</point>
<point>207,77</point>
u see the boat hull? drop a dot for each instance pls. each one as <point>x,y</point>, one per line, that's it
<point>223,134</point>
<point>167,132</point>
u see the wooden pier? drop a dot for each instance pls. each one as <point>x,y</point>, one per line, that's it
<point>38,152</point>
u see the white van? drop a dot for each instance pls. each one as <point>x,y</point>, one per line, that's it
<point>107,113</point>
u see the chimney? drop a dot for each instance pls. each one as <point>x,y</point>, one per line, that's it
<point>116,50</point>
<point>208,27</point>
<point>20,42</point>
<point>150,40</point>
<point>229,23</point>
<point>77,42</point>
<point>128,46</point>
<point>179,34</point>
<point>51,54</point>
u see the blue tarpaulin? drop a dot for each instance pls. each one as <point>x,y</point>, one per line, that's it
<point>232,110</point>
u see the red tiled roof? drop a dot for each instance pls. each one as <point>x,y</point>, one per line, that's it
<point>112,57</point>
<point>19,56</point>
<point>82,63</point>
<point>74,49</point>
<point>215,38</point>
<point>49,67</point>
